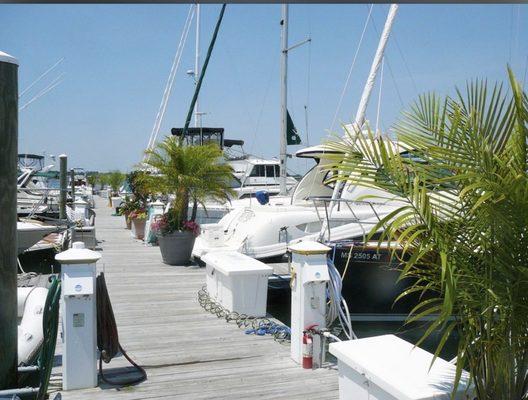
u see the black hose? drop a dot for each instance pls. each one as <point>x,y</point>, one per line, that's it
<point>108,338</point>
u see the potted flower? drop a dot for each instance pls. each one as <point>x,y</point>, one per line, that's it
<point>137,199</point>
<point>175,244</point>
<point>126,208</point>
<point>138,218</point>
<point>194,174</point>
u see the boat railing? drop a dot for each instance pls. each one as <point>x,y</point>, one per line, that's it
<point>328,214</point>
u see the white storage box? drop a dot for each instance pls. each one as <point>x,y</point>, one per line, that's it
<point>238,282</point>
<point>389,368</point>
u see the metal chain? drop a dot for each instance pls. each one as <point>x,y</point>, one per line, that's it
<point>252,324</point>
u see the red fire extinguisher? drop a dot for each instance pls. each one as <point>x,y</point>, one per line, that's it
<point>307,348</point>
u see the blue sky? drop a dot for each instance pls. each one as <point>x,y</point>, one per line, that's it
<point>118,57</point>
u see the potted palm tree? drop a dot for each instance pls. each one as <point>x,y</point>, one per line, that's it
<point>115,179</point>
<point>193,174</point>
<point>462,224</point>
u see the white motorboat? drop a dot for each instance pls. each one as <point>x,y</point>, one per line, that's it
<point>262,231</point>
<point>31,232</point>
<point>33,193</point>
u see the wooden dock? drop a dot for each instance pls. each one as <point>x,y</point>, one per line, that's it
<point>187,352</point>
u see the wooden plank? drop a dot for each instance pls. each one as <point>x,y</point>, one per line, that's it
<point>187,352</point>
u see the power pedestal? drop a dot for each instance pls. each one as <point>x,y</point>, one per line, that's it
<point>309,276</point>
<point>79,324</point>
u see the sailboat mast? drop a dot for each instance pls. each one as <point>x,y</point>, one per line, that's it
<point>284,98</point>
<point>197,119</point>
<point>369,85</point>
<point>367,91</point>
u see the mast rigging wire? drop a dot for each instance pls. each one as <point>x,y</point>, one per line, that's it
<point>40,77</point>
<point>57,81</point>
<point>415,87</point>
<point>273,70</point>
<point>170,80</point>
<point>351,69</point>
<point>386,58</point>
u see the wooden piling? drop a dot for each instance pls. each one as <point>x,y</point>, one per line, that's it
<point>63,185</point>
<point>8,220</point>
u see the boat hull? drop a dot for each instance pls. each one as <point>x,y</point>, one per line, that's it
<point>29,233</point>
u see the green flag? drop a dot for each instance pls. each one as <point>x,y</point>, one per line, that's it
<point>292,137</point>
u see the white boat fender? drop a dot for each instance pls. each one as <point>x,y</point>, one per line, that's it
<point>22,295</point>
<point>30,332</point>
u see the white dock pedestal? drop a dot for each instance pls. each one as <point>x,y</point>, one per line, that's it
<point>389,368</point>
<point>79,324</point>
<point>309,276</point>
<point>238,282</point>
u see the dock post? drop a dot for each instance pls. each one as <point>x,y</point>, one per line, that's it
<point>8,220</point>
<point>63,185</point>
<point>72,184</point>
<point>309,275</point>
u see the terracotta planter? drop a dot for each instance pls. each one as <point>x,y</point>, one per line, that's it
<point>176,248</point>
<point>128,222</point>
<point>138,228</point>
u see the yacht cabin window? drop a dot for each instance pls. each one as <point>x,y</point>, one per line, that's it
<point>258,170</point>
<point>263,170</point>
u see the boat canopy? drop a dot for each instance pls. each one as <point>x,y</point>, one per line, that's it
<point>27,160</point>
<point>198,136</point>
<point>316,151</point>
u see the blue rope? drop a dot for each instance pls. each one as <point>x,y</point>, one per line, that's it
<point>269,328</point>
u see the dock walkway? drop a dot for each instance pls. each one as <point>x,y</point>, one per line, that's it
<point>187,352</point>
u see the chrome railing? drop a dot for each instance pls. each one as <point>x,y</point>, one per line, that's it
<point>324,202</point>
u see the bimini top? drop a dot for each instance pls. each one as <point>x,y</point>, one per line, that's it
<point>29,155</point>
<point>191,131</point>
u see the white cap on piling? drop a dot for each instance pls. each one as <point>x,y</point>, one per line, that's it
<point>63,156</point>
<point>4,57</point>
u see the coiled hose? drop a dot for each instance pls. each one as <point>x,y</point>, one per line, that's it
<point>251,324</point>
<point>50,324</point>
<point>337,306</point>
<point>108,338</point>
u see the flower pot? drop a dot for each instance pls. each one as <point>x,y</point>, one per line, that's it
<point>138,228</point>
<point>128,222</point>
<point>176,248</point>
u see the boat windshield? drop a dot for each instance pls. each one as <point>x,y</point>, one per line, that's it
<point>235,183</point>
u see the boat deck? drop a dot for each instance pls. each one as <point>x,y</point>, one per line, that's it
<point>187,352</point>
